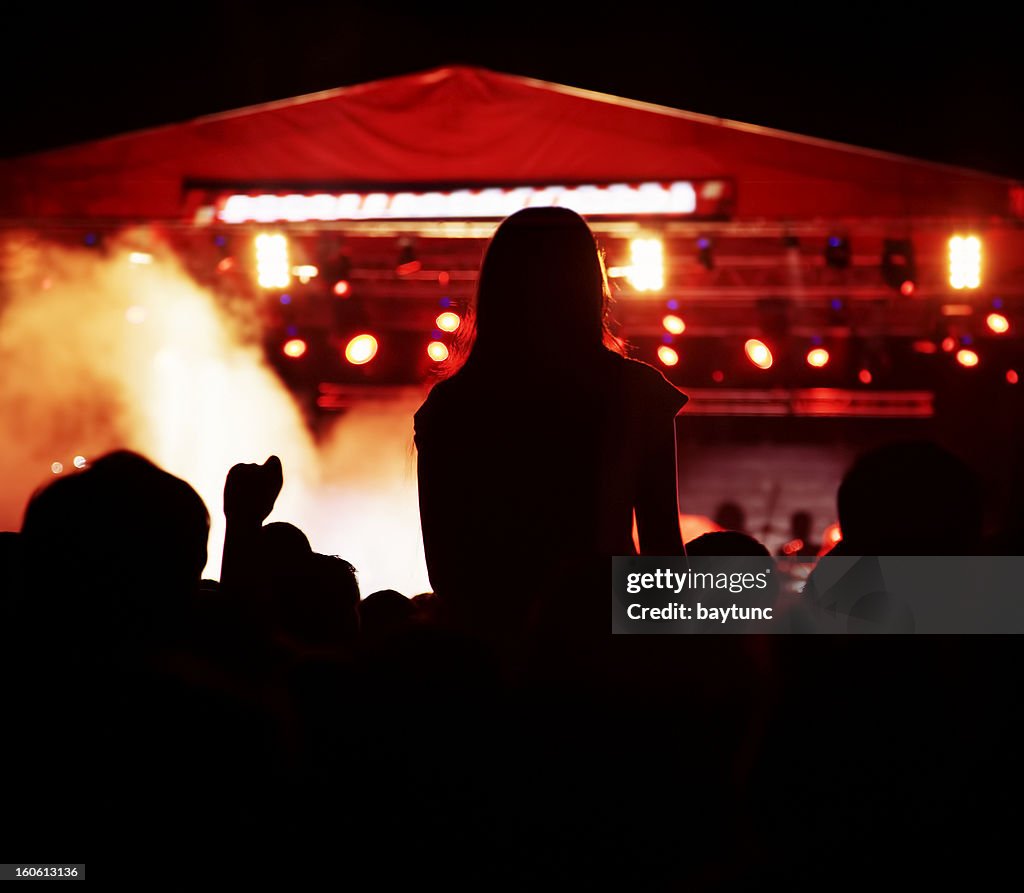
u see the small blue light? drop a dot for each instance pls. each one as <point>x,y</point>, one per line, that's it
<point>91,238</point>
<point>703,243</point>
<point>292,330</point>
<point>673,304</point>
<point>437,335</point>
<point>445,302</point>
<point>835,241</point>
<point>997,303</point>
<point>837,304</point>
<point>966,339</point>
<point>666,339</point>
<point>816,340</point>
<point>220,241</point>
<point>286,299</point>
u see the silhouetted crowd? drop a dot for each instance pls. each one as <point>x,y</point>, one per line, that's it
<point>277,726</point>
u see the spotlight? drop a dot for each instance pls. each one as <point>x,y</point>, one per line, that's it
<point>865,376</point>
<point>837,252</point>
<point>967,358</point>
<point>1011,376</point>
<point>704,255</point>
<point>342,288</point>
<point>668,355</point>
<point>57,467</point>
<point>758,353</point>
<point>140,258</point>
<point>79,461</point>
<point>817,357</point>
<point>998,323</point>
<point>647,269</point>
<point>448,321</point>
<point>964,262</point>
<point>673,324</point>
<point>294,348</point>
<point>437,351</point>
<point>948,343</point>
<point>305,272</point>
<point>718,376</point>
<point>898,267</point>
<point>361,349</point>
<point>272,267</point>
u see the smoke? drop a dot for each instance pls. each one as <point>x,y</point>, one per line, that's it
<point>117,349</point>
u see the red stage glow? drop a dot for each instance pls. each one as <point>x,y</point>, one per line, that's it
<point>865,376</point>
<point>907,288</point>
<point>1011,376</point>
<point>342,288</point>
<point>967,358</point>
<point>948,343</point>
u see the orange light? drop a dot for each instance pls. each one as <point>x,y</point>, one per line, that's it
<point>833,534</point>
<point>925,347</point>
<point>443,278</point>
<point>225,264</point>
<point>668,355</point>
<point>948,343</point>
<point>361,349</point>
<point>907,288</point>
<point>342,287</point>
<point>967,358</point>
<point>294,348</point>
<point>1011,376</point>
<point>865,376</point>
<point>437,351</point>
<point>673,324</point>
<point>448,321</point>
<point>758,353</point>
<point>406,269</point>
<point>998,323</point>
<point>817,357</point>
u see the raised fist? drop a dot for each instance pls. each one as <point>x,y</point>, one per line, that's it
<point>251,490</point>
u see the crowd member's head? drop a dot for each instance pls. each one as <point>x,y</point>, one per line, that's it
<point>543,262</point>
<point>730,516</point>
<point>912,498</point>
<point>385,613</point>
<point>120,545</point>
<point>725,542</point>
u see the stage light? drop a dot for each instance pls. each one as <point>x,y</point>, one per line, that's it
<point>718,376</point>
<point>837,252</point>
<point>305,272</point>
<point>865,376</point>
<point>225,264</point>
<point>135,314</point>
<point>833,534</point>
<point>817,357</point>
<point>1011,376</point>
<point>79,461</point>
<point>898,267</point>
<point>964,262</point>
<point>967,358</point>
<point>647,269</point>
<point>407,260</point>
<point>342,288</point>
<point>448,321</point>
<point>361,349</point>
<point>948,343</point>
<point>704,255</point>
<point>668,355</point>
<point>272,267</point>
<point>443,278</point>
<point>998,323</point>
<point>294,348</point>
<point>57,467</point>
<point>140,258</point>
<point>924,346</point>
<point>673,324</point>
<point>437,351</point>
<point>758,353</point>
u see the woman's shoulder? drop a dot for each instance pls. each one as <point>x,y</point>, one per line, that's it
<point>645,383</point>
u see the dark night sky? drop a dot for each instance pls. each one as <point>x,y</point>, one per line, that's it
<point>945,86</point>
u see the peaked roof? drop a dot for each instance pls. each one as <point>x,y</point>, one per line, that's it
<point>469,126</point>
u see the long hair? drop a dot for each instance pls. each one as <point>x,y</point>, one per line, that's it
<point>542,295</point>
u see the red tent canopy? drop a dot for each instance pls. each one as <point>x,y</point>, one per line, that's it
<point>469,126</point>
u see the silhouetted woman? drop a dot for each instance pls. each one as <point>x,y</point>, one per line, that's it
<point>535,454</point>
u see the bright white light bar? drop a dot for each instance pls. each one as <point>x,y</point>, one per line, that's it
<point>647,271</point>
<point>613,200</point>
<point>965,262</point>
<point>272,267</point>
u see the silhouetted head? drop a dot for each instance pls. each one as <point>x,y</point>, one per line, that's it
<point>725,542</point>
<point>910,499</point>
<point>543,291</point>
<point>385,613</point>
<point>120,543</point>
<point>800,525</point>
<point>316,600</point>
<point>730,516</point>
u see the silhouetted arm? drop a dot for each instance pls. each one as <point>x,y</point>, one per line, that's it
<point>434,496</point>
<point>250,492</point>
<point>657,506</point>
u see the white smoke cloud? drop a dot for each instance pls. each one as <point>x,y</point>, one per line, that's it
<point>97,353</point>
